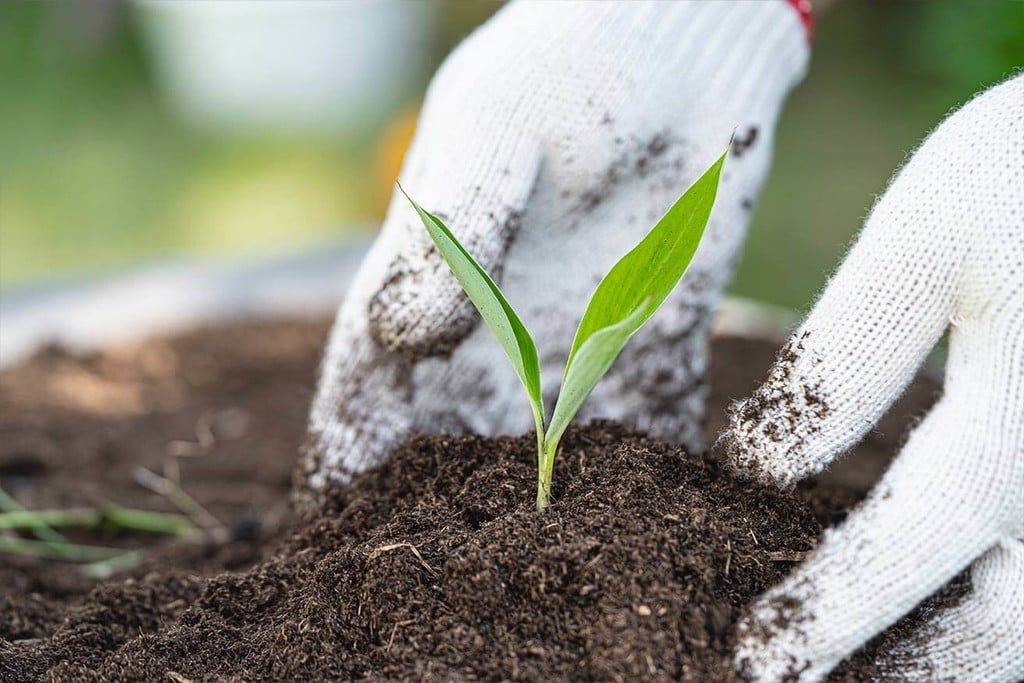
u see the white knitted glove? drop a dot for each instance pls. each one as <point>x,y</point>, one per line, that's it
<point>943,248</point>
<point>550,142</point>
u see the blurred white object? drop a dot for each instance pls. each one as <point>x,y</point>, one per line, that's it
<point>280,64</point>
<point>171,296</point>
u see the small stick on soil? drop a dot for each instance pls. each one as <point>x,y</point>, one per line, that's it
<point>728,558</point>
<point>788,556</point>
<point>394,630</point>
<point>377,552</point>
<point>177,495</point>
<point>205,439</point>
<point>104,569</point>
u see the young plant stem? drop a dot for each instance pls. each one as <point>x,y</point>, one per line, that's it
<point>179,497</point>
<point>542,493</point>
<point>57,551</point>
<point>50,542</point>
<point>39,529</point>
<point>104,569</point>
<point>545,475</point>
<point>542,489</point>
<point>123,518</point>
<point>102,562</point>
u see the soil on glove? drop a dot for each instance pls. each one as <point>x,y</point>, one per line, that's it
<point>434,566</point>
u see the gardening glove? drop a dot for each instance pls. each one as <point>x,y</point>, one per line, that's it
<point>943,248</point>
<point>550,142</point>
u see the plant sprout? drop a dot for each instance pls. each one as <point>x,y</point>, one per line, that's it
<point>624,300</point>
<point>101,561</point>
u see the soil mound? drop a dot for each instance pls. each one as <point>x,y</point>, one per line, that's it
<point>436,566</point>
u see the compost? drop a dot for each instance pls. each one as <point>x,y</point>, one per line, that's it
<point>433,567</point>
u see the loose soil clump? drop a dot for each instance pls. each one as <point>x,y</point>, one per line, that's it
<point>434,566</point>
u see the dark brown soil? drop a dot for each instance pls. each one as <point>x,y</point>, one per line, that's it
<point>75,430</point>
<point>434,566</point>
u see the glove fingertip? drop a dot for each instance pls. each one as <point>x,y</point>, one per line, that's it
<point>420,314</point>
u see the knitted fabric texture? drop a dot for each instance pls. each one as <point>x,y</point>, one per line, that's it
<point>943,249</point>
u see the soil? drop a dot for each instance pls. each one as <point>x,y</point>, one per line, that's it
<point>432,567</point>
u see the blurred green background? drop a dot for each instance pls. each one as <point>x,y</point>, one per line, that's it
<point>99,171</point>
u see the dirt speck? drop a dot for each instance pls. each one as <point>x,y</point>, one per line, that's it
<point>781,410</point>
<point>744,140</point>
<point>639,159</point>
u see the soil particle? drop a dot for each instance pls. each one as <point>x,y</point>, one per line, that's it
<point>434,566</point>
<point>782,410</point>
<point>743,141</point>
<point>658,144</point>
<point>641,159</point>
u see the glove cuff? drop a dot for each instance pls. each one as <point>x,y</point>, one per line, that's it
<point>769,52</point>
<point>747,55</point>
<point>806,14</point>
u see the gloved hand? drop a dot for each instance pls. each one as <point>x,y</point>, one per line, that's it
<point>943,248</point>
<point>550,141</point>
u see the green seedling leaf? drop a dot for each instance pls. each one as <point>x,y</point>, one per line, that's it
<point>645,276</point>
<point>499,315</point>
<point>592,361</point>
<point>624,300</point>
<point>629,295</point>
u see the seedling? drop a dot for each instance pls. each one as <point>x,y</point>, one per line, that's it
<point>100,561</point>
<point>624,300</point>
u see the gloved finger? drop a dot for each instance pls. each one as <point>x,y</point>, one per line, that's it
<point>361,408</point>
<point>356,420</point>
<point>477,179</point>
<point>981,638</point>
<point>879,316</point>
<point>919,527</point>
